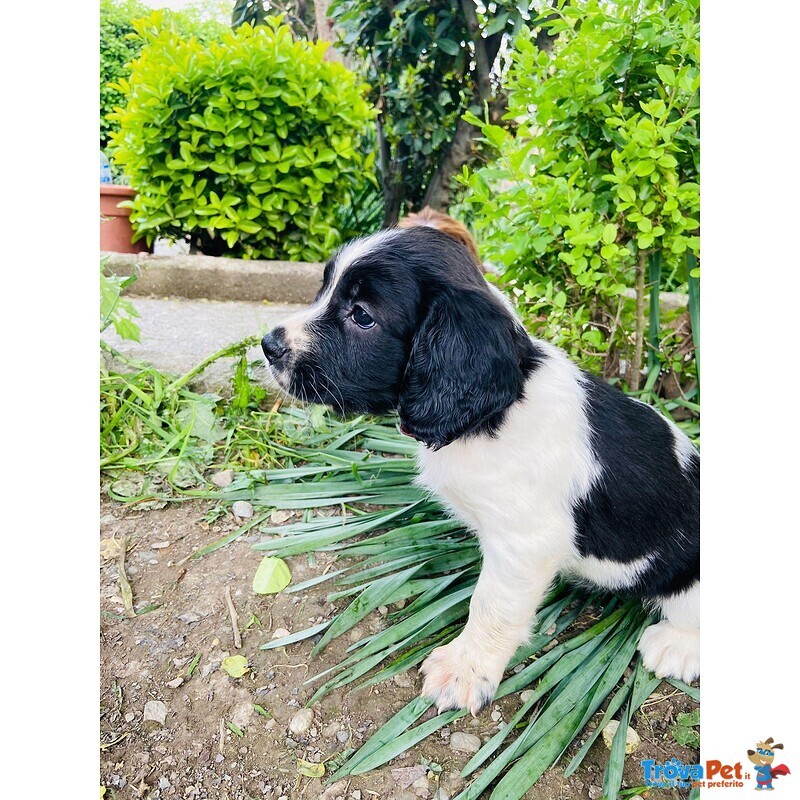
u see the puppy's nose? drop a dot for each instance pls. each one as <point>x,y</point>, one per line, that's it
<point>274,345</point>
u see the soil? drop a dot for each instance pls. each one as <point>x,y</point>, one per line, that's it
<point>182,612</point>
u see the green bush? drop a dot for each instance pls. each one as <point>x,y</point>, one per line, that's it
<point>119,46</point>
<point>249,144</point>
<point>600,181</point>
<point>116,53</point>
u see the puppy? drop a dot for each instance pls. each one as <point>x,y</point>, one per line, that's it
<point>555,471</point>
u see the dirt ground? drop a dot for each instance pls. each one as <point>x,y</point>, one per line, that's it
<point>194,754</point>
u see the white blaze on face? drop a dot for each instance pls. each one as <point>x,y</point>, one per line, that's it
<point>298,328</point>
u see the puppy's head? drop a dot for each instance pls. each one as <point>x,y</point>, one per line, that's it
<point>405,320</point>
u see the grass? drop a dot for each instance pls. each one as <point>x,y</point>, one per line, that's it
<point>395,547</point>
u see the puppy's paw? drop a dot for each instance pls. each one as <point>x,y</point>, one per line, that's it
<point>457,676</point>
<point>671,652</point>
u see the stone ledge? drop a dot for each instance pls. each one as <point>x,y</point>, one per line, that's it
<point>195,277</point>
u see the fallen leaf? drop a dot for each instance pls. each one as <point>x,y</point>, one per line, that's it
<point>272,576</point>
<point>309,769</point>
<point>110,548</point>
<point>235,666</point>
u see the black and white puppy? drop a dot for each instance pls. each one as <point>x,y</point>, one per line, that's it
<point>555,471</point>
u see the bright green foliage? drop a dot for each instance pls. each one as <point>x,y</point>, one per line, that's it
<point>114,308</point>
<point>119,46</point>
<point>248,144</point>
<point>116,52</point>
<point>604,164</point>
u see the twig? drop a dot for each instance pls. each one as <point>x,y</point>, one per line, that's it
<point>221,736</point>
<point>237,638</point>
<point>124,584</point>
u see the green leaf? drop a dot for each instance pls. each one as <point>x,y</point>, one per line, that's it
<point>666,74</point>
<point>235,666</point>
<point>272,576</point>
<point>609,233</point>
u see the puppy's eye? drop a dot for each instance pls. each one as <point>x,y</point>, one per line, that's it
<point>361,318</point>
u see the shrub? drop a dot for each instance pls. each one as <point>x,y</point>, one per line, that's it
<point>119,46</point>
<point>600,180</point>
<point>248,145</point>
<point>116,53</point>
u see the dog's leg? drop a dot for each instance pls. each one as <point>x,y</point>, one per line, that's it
<point>466,672</point>
<point>671,648</point>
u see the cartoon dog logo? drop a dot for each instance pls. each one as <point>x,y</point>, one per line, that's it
<point>762,757</point>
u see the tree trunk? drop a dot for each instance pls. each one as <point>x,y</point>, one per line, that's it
<point>325,33</point>
<point>439,193</point>
<point>391,178</point>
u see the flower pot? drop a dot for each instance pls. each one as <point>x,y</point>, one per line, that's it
<point>115,224</point>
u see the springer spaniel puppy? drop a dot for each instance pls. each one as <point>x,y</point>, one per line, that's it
<point>555,471</point>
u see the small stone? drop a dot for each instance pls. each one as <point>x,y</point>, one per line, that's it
<point>219,758</point>
<point>130,716</point>
<point>222,479</point>
<point>279,516</point>
<point>335,790</point>
<point>343,736</point>
<point>420,783</point>
<point>302,721</point>
<point>156,711</point>
<point>632,740</point>
<point>280,633</point>
<point>526,695</point>
<point>441,794</point>
<point>242,509</point>
<point>189,617</point>
<point>160,545</point>
<point>356,794</point>
<point>403,680</point>
<point>496,716</point>
<point>405,776</point>
<point>464,742</point>
<point>383,610</point>
<point>329,731</point>
<point>163,783</point>
<point>595,792</point>
<point>175,684</point>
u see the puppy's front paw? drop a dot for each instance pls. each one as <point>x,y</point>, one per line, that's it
<point>671,652</point>
<point>458,678</point>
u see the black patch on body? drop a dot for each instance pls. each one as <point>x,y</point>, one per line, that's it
<point>643,503</point>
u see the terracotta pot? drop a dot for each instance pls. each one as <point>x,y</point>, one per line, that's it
<point>115,225</point>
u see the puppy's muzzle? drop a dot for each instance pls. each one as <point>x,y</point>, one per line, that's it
<point>274,346</point>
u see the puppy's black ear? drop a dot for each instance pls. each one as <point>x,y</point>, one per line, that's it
<point>468,364</point>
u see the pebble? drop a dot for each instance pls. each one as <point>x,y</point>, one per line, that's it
<point>335,790</point>
<point>280,516</point>
<point>496,716</point>
<point>383,610</point>
<point>403,680</point>
<point>175,683</point>
<point>280,633</point>
<point>163,783</point>
<point>464,742</point>
<point>302,721</point>
<point>526,695</point>
<point>242,509</point>
<point>219,758</point>
<point>130,716</point>
<point>160,545</point>
<point>595,792</point>
<point>343,736</point>
<point>223,478</point>
<point>632,740</point>
<point>356,795</point>
<point>329,731</point>
<point>156,711</point>
<point>189,617</point>
<point>441,794</point>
